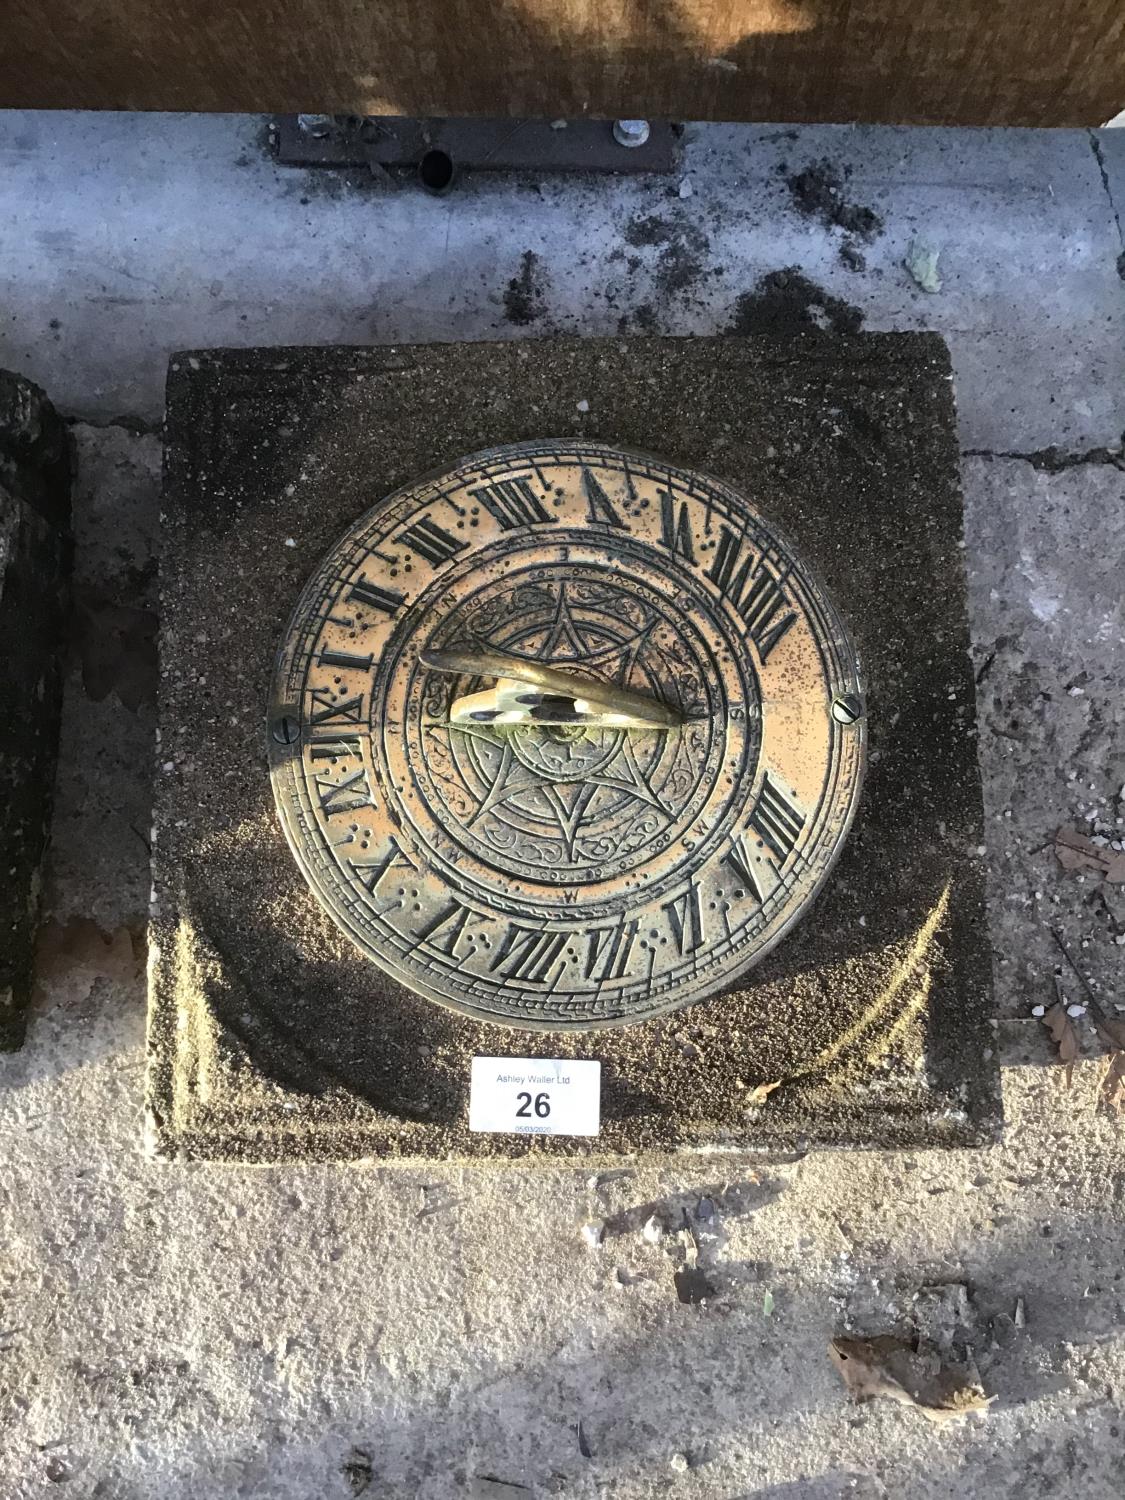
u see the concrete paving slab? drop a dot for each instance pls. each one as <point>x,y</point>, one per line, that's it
<point>272,1038</point>
<point>1045,573</point>
<point>35,559</point>
<point>137,235</point>
<point>1109,148</point>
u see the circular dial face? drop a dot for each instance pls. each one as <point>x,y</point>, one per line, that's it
<point>566,875</point>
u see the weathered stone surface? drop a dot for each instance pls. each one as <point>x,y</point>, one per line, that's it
<point>34,562</point>
<point>271,1038</point>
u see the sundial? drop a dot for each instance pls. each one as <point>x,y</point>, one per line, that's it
<point>565,736</point>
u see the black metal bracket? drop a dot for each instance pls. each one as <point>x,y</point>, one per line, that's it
<point>437,150</point>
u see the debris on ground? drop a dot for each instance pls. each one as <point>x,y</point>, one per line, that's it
<point>761,1092</point>
<point>922,262</point>
<point>653,1231</point>
<point>785,301</point>
<point>852,256</point>
<point>1112,1089</point>
<point>891,1367</point>
<point>1076,851</point>
<point>593,1234</point>
<point>818,191</point>
<point>358,1471</point>
<point>78,950</point>
<point>116,645</point>
<point>525,299</point>
<point>1111,1030</point>
<point>1064,1036</point>
<point>690,1282</point>
<point>436,1198</point>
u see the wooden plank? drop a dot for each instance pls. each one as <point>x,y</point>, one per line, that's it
<point>964,62</point>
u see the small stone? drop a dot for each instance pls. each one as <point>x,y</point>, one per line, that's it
<point>653,1231</point>
<point>593,1234</point>
<point>1075,1010</point>
<point>1038,1010</point>
<point>558,124</point>
<point>290,541</point>
<point>582,405</point>
<point>686,188</point>
<point>922,263</point>
<point>678,1463</point>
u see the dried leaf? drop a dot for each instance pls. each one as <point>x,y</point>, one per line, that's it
<point>80,951</point>
<point>761,1092</point>
<point>117,647</point>
<point>1075,851</point>
<point>960,1401</point>
<point>862,1364</point>
<point>1111,1029</point>
<point>858,1362</point>
<point>1064,1036</point>
<point>1113,1084</point>
<point>692,1285</point>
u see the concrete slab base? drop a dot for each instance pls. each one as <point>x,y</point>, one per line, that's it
<point>271,1038</point>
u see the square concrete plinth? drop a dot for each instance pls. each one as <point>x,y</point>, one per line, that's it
<point>272,1038</point>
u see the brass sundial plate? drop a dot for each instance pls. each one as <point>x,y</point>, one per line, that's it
<point>558,875</point>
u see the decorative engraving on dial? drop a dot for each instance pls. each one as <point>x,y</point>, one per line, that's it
<point>565,875</point>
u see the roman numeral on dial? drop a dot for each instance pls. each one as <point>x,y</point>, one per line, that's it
<point>598,502</point>
<point>685,914</point>
<point>754,590</point>
<point>335,747</point>
<point>738,859</point>
<point>528,954</point>
<point>346,795</point>
<point>447,929</point>
<point>512,502</point>
<point>428,539</point>
<point>370,874</point>
<point>607,957</point>
<point>374,597</point>
<point>346,661</point>
<point>675,526</point>
<point>326,710</point>
<point>777,820</point>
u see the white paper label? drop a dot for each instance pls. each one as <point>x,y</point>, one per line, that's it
<point>535,1096</point>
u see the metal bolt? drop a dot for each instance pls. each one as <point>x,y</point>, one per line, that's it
<point>286,730</point>
<point>318,126</point>
<point>630,132</point>
<point>847,708</point>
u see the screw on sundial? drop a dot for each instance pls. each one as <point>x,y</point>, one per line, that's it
<point>286,729</point>
<point>847,708</point>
